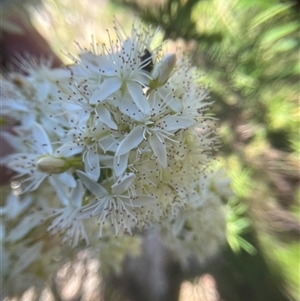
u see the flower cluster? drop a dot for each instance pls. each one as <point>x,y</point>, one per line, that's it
<point>119,141</point>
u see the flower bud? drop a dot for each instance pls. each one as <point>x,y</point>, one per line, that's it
<point>52,165</point>
<point>162,70</point>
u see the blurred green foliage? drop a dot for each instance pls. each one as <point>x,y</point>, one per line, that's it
<point>238,224</point>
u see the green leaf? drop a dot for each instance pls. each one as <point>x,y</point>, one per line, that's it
<point>285,45</point>
<point>242,224</point>
<point>279,32</point>
<point>269,14</point>
<point>247,246</point>
<point>297,68</point>
<point>240,208</point>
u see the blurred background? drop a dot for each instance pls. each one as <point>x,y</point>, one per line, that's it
<point>248,51</point>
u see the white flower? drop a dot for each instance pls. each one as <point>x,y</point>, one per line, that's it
<point>116,202</point>
<point>37,91</point>
<point>131,126</point>
<point>15,205</point>
<point>83,140</point>
<point>25,163</point>
<point>122,67</point>
<point>14,104</point>
<point>76,98</point>
<point>68,219</point>
<point>187,98</point>
<point>155,126</point>
<point>199,229</point>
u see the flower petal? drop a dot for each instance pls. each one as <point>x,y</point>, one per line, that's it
<point>107,161</point>
<point>41,139</point>
<point>130,109</point>
<point>68,150</point>
<point>76,195</point>
<point>123,184</point>
<point>92,164</point>
<point>60,189</point>
<point>108,144</point>
<point>120,164</point>
<point>66,178</point>
<point>28,223</point>
<point>15,205</point>
<point>175,104</point>
<point>19,162</point>
<point>174,123</point>
<point>159,149</point>
<point>105,117</point>
<point>92,186</point>
<point>132,140</point>
<point>136,92</point>
<point>108,87</point>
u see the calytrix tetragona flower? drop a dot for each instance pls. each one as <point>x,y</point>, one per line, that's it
<point>124,138</point>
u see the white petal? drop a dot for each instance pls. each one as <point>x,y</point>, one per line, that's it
<point>13,105</point>
<point>130,109</point>
<point>136,92</point>
<point>68,150</point>
<point>41,139</point>
<point>65,178</point>
<point>43,91</point>
<point>28,223</point>
<point>108,87</point>
<point>33,182</point>
<point>104,64</point>
<point>132,140</point>
<point>123,184</point>
<point>120,164</point>
<point>105,117</point>
<point>92,186</point>
<point>159,149</point>
<point>127,46</point>
<point>15,205</point>
<point>77,194</point>
<point>60,189</point>
<point>28,120</point>
<point>59,74</point>
<point>92,164</point>
<point>173,123</point>
<point>20,162</point>
<point>175,104</point>
<point>108,144</point>
<point>107,161</point>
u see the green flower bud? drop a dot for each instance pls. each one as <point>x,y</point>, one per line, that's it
<point>52,165</point>
<point>162,70</point>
